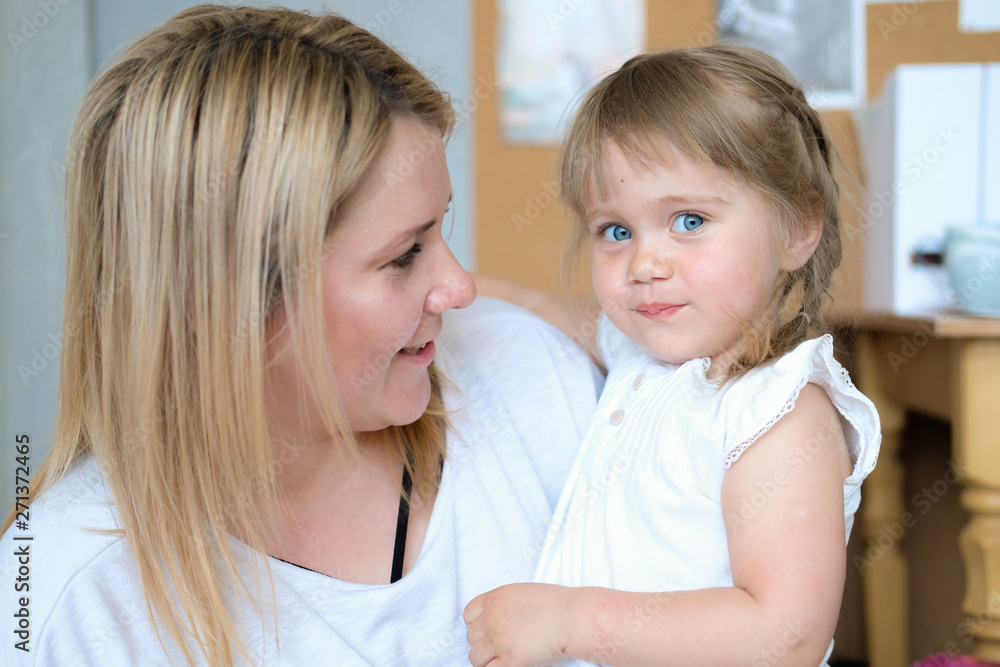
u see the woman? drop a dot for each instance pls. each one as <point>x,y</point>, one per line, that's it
<point>255,459</point>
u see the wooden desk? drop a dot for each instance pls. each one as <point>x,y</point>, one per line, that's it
<point>949,367</point>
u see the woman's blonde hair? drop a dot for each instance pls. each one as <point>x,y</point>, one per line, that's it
<point>741,110</point>
<point>208,164</point>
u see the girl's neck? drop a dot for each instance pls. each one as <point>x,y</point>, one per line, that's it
<point>720,362</point>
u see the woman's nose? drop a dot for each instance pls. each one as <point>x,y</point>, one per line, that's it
<point>648,263</point>
<point>453,287</point>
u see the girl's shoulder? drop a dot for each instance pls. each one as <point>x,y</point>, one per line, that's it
<point>753,403</point>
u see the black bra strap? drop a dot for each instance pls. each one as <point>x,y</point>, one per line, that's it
<point>402,521</point>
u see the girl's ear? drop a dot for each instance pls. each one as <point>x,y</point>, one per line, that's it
<point>802,243</point>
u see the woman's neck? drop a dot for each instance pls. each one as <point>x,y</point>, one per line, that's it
<point>338,512</point>
<point>305,468</point>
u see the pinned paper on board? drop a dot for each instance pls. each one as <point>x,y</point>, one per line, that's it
<point>822,43</point>
<point>979,16</point>
<point>552,52</point>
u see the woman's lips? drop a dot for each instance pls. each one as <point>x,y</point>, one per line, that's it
<point>658,311</point>
<point>423,354</point>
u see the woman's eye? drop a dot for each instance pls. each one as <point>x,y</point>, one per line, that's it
<point>688,222</point>
<point>616,233</point>
<point>407,257</point>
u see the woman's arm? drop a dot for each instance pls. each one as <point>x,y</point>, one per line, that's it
<point>783,505</point>
<point>577,318</point>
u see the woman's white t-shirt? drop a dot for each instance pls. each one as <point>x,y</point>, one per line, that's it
<point>521,395</point>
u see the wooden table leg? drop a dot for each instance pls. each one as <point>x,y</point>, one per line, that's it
<point>976,447</point>
<point>883,566</point>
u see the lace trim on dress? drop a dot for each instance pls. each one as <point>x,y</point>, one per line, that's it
<point>738,450</point>
<point>840,375</point>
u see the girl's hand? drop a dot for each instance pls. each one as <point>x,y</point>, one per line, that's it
<point>521,625</point>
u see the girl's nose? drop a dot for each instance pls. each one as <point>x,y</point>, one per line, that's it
<point>452,288</point>
<point>649,263</point>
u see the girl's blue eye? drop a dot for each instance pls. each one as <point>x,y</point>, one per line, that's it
<point>616,233</point>
<point>688,222</point>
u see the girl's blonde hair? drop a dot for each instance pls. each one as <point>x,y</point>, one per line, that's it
<point>741,110</point>
<point>207,166</point>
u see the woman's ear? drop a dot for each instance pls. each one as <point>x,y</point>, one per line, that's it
<point>802,243</point>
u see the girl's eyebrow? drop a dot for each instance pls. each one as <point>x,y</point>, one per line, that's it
<point>684,200</point>
<point>694,199</point>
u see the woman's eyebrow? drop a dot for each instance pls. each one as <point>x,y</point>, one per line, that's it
<point>411,233</point>
<point>416,231</point>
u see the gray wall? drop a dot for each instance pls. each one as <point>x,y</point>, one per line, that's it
<point>44,69</point>
<point>50,50</point>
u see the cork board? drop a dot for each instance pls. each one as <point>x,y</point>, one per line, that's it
<point>921,32</point>
<point>520,225</point>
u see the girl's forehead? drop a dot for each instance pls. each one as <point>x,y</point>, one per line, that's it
<point>642,151</point>
<point>619,161</point>
<point>668,174</point>
<point>613,157</point>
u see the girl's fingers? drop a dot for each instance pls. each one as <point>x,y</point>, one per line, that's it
<point>475,633</point>
<point>473,609</point>
<point>480,655</point>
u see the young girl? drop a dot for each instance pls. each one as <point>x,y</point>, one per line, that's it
<point>701,523</point>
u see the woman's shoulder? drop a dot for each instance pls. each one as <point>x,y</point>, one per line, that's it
<point>488,316</point>
<point>67,525</point>
<point>519,383</point>
<point>494,343</point>
<point>617,349</point>
<point>77,504</point>
<point>63,554</point>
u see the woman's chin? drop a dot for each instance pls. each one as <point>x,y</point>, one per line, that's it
<point>400,407</point>
<point>416,405</point>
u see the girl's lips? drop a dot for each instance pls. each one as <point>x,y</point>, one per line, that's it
<point>421,355</point>
<point>658,311</point>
